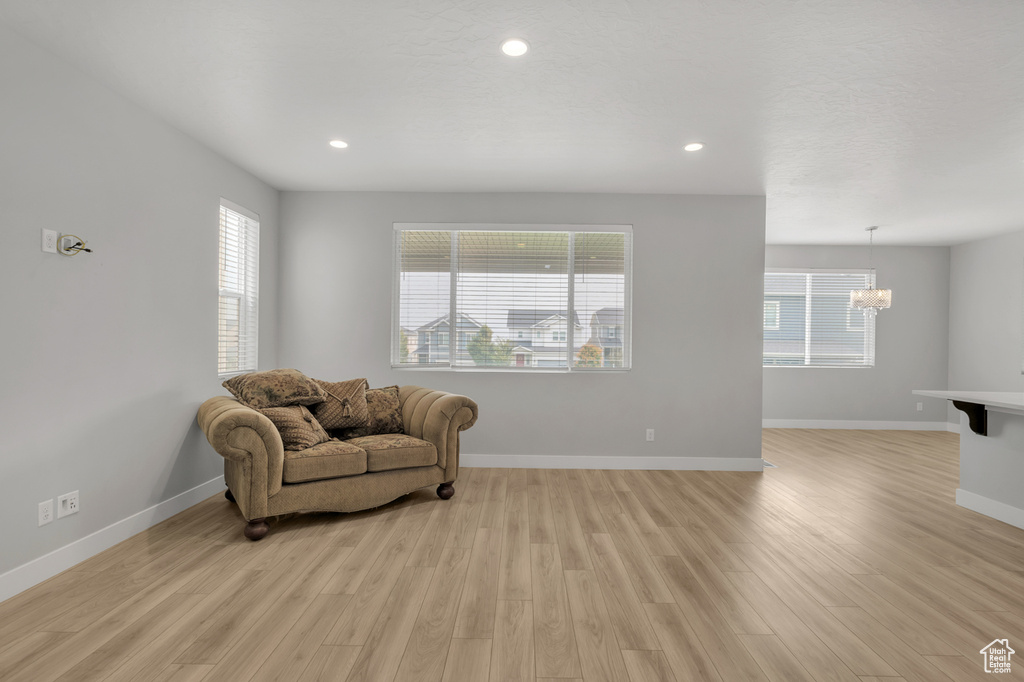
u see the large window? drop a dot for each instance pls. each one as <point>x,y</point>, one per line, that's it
<point>238,308</point>
<point>520,297</point>
<point>808,320</point>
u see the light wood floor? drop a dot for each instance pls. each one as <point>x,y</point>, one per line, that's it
<point>848,562</point>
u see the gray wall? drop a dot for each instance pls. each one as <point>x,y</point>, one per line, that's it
<point>985,354</point>
<point>107,355</point>
<point>696,376</point>
<point>910,341</point>
<point>985,345</point>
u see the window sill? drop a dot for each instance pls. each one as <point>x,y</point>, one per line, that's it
<point>514,370</point>
<point>817,366</point>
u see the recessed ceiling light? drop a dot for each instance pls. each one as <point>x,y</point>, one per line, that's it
<point>514,47</point>
<point>338,144</point>
<point>693,147</point>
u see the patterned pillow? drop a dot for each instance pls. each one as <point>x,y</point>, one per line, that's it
<point>275,388</point>
<point>385,413</point>
<point>345,406</point>
<point>298,427</point>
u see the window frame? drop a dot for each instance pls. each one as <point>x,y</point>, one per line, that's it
<point>572,230</point>
<point>248,234</point>
<point>868,329</point>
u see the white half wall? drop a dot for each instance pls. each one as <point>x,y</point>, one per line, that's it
<point>697,282</point>
<point>106,355</point>
<point>910,345</point>
<point>986,350</point>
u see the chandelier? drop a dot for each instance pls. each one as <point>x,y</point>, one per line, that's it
<point>871,300</point>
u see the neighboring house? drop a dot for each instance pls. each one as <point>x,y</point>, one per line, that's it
<point>606,332</point>
<point>539,336</point>
<point>433,340</point>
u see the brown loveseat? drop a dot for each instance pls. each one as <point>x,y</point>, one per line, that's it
<point>266,480</point>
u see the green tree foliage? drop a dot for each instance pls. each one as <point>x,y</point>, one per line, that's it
<point>486,350</point>
<point>589,356</point>
<point>403,346</point>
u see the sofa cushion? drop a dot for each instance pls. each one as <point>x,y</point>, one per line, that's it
<point>274,388</point>
<point>297,426</point>
<point>344,406</point>
<point>388,451</point>
<point>385,413</point>
<point>332,459</point>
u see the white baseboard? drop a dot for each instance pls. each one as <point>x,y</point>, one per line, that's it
<point>609,462</point>
<point>36,571</point>
<point>999,511</point>
<point>857,425</point>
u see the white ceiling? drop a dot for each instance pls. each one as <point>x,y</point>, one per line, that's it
<point>908,115</point>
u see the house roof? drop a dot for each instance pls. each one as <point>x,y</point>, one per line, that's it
<point>519,318</point>
<point>444,319</point>
<point>607,316</point>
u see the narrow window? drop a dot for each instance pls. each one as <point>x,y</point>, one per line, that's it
<point>238,308</point>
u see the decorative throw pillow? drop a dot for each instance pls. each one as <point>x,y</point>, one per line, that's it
<point>385,413</point>
<point>345,406</point>
<point>275,388</point>
<point>298,427</point>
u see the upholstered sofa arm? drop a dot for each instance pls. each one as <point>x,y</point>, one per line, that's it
<point>437,417</point>
<point>252,446</point>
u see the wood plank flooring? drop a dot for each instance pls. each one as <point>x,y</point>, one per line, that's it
<point>849,562</point>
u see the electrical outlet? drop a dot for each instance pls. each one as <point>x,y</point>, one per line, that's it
<point>50,241</point>
<point>920,407</point>
<point>45,512</point>
<point>650,434</point>
<point>67,504</point>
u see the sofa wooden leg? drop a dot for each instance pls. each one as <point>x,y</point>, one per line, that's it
<point>256,529</point>
<point>228,496</point>
<point>445,491</point>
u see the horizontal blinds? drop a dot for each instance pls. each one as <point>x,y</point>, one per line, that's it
<point>511,295</point>
<point>238,308</point>
<point>515,287</point>
<point>424,296</point>
<point>808,320</point>
<point>600,262</point>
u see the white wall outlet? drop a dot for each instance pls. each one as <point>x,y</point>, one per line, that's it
<point>45,512</point>
<point>50,241</point>
<point>650,434</point>
<point>920,407</point>
<point>67,504</point>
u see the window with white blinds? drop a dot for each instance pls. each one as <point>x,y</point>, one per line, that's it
<point>512,297</point>
<point>238,307</point>
<point>808,320</point>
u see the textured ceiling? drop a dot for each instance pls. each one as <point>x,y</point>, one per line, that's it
<point>908,115</point>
